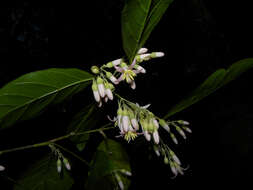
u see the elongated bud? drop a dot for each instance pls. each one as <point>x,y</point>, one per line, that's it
<point>164,125</point>
<point>187,129</point>
<point>174,157</point>
<point>94,69</point>
<point>100,104</point>
<point>173,138</point>
<point>2,168</point>
<point>125,172</point>
<point>139,68</point>
<point>151,126</point>
<point>156,54</point>
<point>113,63</point>
<point>123,65</point>
<point>133,85</point>
<point>101,88</point>
<point>125,121</point>
<point>120,183</point>
<point>119,118</point>
<point>156,137</point>
<point>142,50</point>
<point>181,132</point>
<point>66,163</point>
<point>173,168</point>
<point>112,78</point>
<point>106,98</point>
<point>95,91</point>
<point>108,91</point>
<point>157,152</point>
<point>182,122</point>
<point>144,124</point>
<point>59,165</point>
<point>156,123</point>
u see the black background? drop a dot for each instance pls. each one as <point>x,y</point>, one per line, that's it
<point>197,36</point>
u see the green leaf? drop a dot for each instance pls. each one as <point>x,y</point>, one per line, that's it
<point>30,94</point>
<point>43,176</point>
<point>138,19</point>
<point>215,81</point>
<point>110,158</point>
<point>86,119</point>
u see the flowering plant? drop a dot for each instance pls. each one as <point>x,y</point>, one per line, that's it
<point>30,94</point>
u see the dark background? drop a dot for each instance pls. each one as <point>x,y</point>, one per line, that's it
<point>197,36</point>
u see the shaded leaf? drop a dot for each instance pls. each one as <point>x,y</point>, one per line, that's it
<point>215,81</point>
<point>30,94</point>
<point>86,119</point>
<point>44,176</point>
<point>109,158</point>
<point>138,19</point>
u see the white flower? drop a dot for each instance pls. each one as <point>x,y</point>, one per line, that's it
<point>101,87</point>
<point>109,93</point>
<point>156,137</point>
<point>95,91</point>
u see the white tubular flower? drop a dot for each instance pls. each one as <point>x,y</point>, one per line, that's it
<point>147,135</point>
<point>182,122</point>
<point>187,129</point>
<point>156,54</point>
<point>112,78</point>
<point>66,163</point>
<point>108,91</point>
<point>2,168</point>
<point>135,124</point>
<point>156,137</point>
<point>113,63</point>
<point>125,121</point>
<point>59,165</point>
<point>95,91</point>
<point>101,88</point>
<point>142,50</point>
<point>156,123</point>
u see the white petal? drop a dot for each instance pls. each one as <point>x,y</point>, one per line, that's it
<point>101,90</point>
<point>96,96</point>
<point>159,54</point>
<point>109,93</point>
<point>142,50</point>
<point>133,85</point>
<point>141,69</point>
<point>147,135</point>
<point>156,137</point>
<point>125,123</point>
<point>135,124</point>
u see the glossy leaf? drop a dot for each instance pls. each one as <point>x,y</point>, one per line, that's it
<point>109,158</point>
<point>85,120</point>
<point>139,18</point>
<point>43,175</point>
<point>30,94</point>
<point>218,79</point>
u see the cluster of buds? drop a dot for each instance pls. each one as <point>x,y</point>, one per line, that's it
<point>180,126</point>
<point>170,158</point>
<point>102,90</point>
<point>124,71</point>
<point>60,159</point>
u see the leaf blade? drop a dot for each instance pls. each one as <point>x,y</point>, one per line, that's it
<point>33,92</point>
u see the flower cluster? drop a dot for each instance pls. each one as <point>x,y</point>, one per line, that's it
<point>102,90</point>
<point>60,159</point>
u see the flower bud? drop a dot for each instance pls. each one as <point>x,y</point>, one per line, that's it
<point>123,65</point>
<point>156,124</point>
<point>101,88</point>
<point>2,168</point>
<point>156,151</point>
<point>147,135</point>
<point>142,50</point>
<point>113,63</point>
<point>151,127</point>
<point>135,124</point>
<point>182,122</point>
<point>100,104</point>
<point>125,172</point>
<point>173,138</point>
<point>108,91</point>
<point>173,168</point>
<point>94,69</point>
<point>133,85</point>
<point>106,98</point>
<point>181,132</point>
<point>174,157</point>
<point>187,129</point>
<point>95,91</point>
<point>59,165</point>
<point>120,183</point>
<point>156,137</point>
<point>165,160</point>
<point>156,54</point>
<point>139,68</point>
<point>66,163</point>
<point>112,78</point>
<point>164,125</point>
